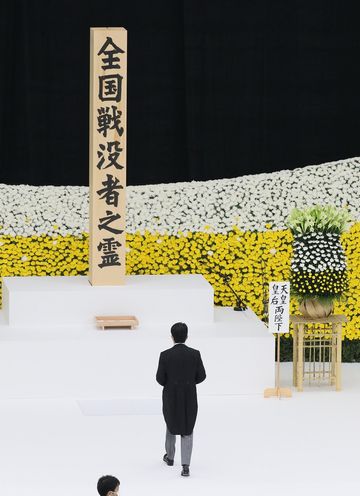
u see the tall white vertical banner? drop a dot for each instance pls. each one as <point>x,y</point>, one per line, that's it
<point>279,307</point>
<point>107,155</point>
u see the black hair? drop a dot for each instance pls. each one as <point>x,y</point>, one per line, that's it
<point>179,332</point>
<point>107,483</point>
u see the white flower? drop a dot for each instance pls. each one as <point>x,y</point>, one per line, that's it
<point>249,202</point>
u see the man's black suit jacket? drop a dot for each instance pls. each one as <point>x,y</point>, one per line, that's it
<point>180,369</point>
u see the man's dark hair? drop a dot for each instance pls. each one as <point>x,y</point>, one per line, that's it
<point>107,483</point>
<point>179,332</point>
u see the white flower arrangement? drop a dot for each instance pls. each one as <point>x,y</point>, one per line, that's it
<point>248,202</point>
<point>318,265</point>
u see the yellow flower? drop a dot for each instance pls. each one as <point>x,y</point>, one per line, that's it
<point>237,253</point>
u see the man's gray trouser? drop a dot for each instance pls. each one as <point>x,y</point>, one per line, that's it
<point>186,447</point>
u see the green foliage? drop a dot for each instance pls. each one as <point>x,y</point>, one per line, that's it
<point>351,350</point>
<point>325,219</point>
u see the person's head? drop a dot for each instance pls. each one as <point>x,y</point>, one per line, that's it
<point>179,332</point>
<point>108,485</point>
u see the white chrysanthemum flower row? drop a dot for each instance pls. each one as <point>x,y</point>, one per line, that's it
<point>35,210</point>
<point>318,252</point>
<point>248,202</point>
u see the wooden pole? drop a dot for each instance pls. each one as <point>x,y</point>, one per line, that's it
<point>278,364</point>
<point>277,390</point>
<point>107,156</point>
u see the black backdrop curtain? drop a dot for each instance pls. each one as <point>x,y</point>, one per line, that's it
<point>215,88</point>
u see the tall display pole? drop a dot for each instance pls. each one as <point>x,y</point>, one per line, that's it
<point>107,156</point>
<point>279,303</point>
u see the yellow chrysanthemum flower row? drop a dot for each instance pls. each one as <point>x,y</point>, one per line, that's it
<point>252,259</point>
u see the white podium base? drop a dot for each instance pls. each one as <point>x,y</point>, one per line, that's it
<point>237,350</point>
<point>72,301</point>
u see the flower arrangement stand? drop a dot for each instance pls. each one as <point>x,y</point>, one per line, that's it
<point>317,349</point>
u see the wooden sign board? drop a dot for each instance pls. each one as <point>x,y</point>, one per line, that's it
<point>107,156</point>
<point>279,305</point>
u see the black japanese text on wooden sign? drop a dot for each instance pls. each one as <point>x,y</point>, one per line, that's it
<point>108,75</point>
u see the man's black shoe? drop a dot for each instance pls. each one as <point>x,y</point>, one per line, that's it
<point>185,471</point>
<point>168,461</point>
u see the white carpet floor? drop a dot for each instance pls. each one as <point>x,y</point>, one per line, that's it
<point>243,445</point>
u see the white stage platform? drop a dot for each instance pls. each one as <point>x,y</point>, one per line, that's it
<point>71,301</point>
<point>83,362</point>
<point>75,401</point>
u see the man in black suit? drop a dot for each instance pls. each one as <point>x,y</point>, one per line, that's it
<point>180,369</point>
